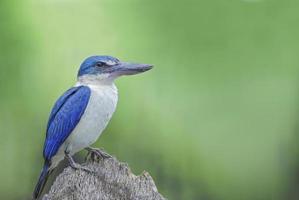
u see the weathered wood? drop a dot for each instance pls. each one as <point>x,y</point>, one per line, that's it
<point>111,180</point>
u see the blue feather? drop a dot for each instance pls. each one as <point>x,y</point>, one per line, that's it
<point>59,103</point>
<point>64,117</point>
<point>42,180</point>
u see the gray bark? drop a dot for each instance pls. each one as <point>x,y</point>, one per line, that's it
<point>110,180</point>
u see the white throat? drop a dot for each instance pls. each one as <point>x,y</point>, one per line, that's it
<point>99,84</point>
<point>100,79</point>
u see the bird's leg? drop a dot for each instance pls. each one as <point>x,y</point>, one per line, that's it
<point>97,152</point>
<point>75,165</point>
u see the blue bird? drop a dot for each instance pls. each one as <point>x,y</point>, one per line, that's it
<point>81,114</point>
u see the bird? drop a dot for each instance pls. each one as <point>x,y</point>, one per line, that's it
<point>80,114</point>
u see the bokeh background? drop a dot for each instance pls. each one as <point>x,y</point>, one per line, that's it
<point>216,119</point>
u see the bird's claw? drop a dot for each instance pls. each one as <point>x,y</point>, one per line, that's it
<point>79,167</point>
<point>75,165</point>
<point>95,153</point>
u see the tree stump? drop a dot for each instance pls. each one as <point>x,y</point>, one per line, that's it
<point>110,180</point>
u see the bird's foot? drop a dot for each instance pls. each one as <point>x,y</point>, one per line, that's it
<point>95,153</point>
<point>75,165</point>
<point>80,167</point>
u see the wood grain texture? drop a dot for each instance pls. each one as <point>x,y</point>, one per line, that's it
<point>111,180</point>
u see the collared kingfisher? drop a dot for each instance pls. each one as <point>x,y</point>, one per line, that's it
<point>81,114</point>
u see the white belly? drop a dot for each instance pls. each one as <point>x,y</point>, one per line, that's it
<point>99,110</point>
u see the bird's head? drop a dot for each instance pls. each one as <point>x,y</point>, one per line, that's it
<point>107,68</point>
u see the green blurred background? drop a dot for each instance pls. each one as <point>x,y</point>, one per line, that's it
<point>216,119</point>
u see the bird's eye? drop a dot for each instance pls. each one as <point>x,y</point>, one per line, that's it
<point>100,64</point>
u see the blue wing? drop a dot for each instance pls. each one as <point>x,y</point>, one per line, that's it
<point>64,117</point>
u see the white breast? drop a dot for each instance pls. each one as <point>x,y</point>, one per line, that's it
<point>99,110</point>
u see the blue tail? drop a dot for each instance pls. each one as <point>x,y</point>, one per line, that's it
<point>42,180</point>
